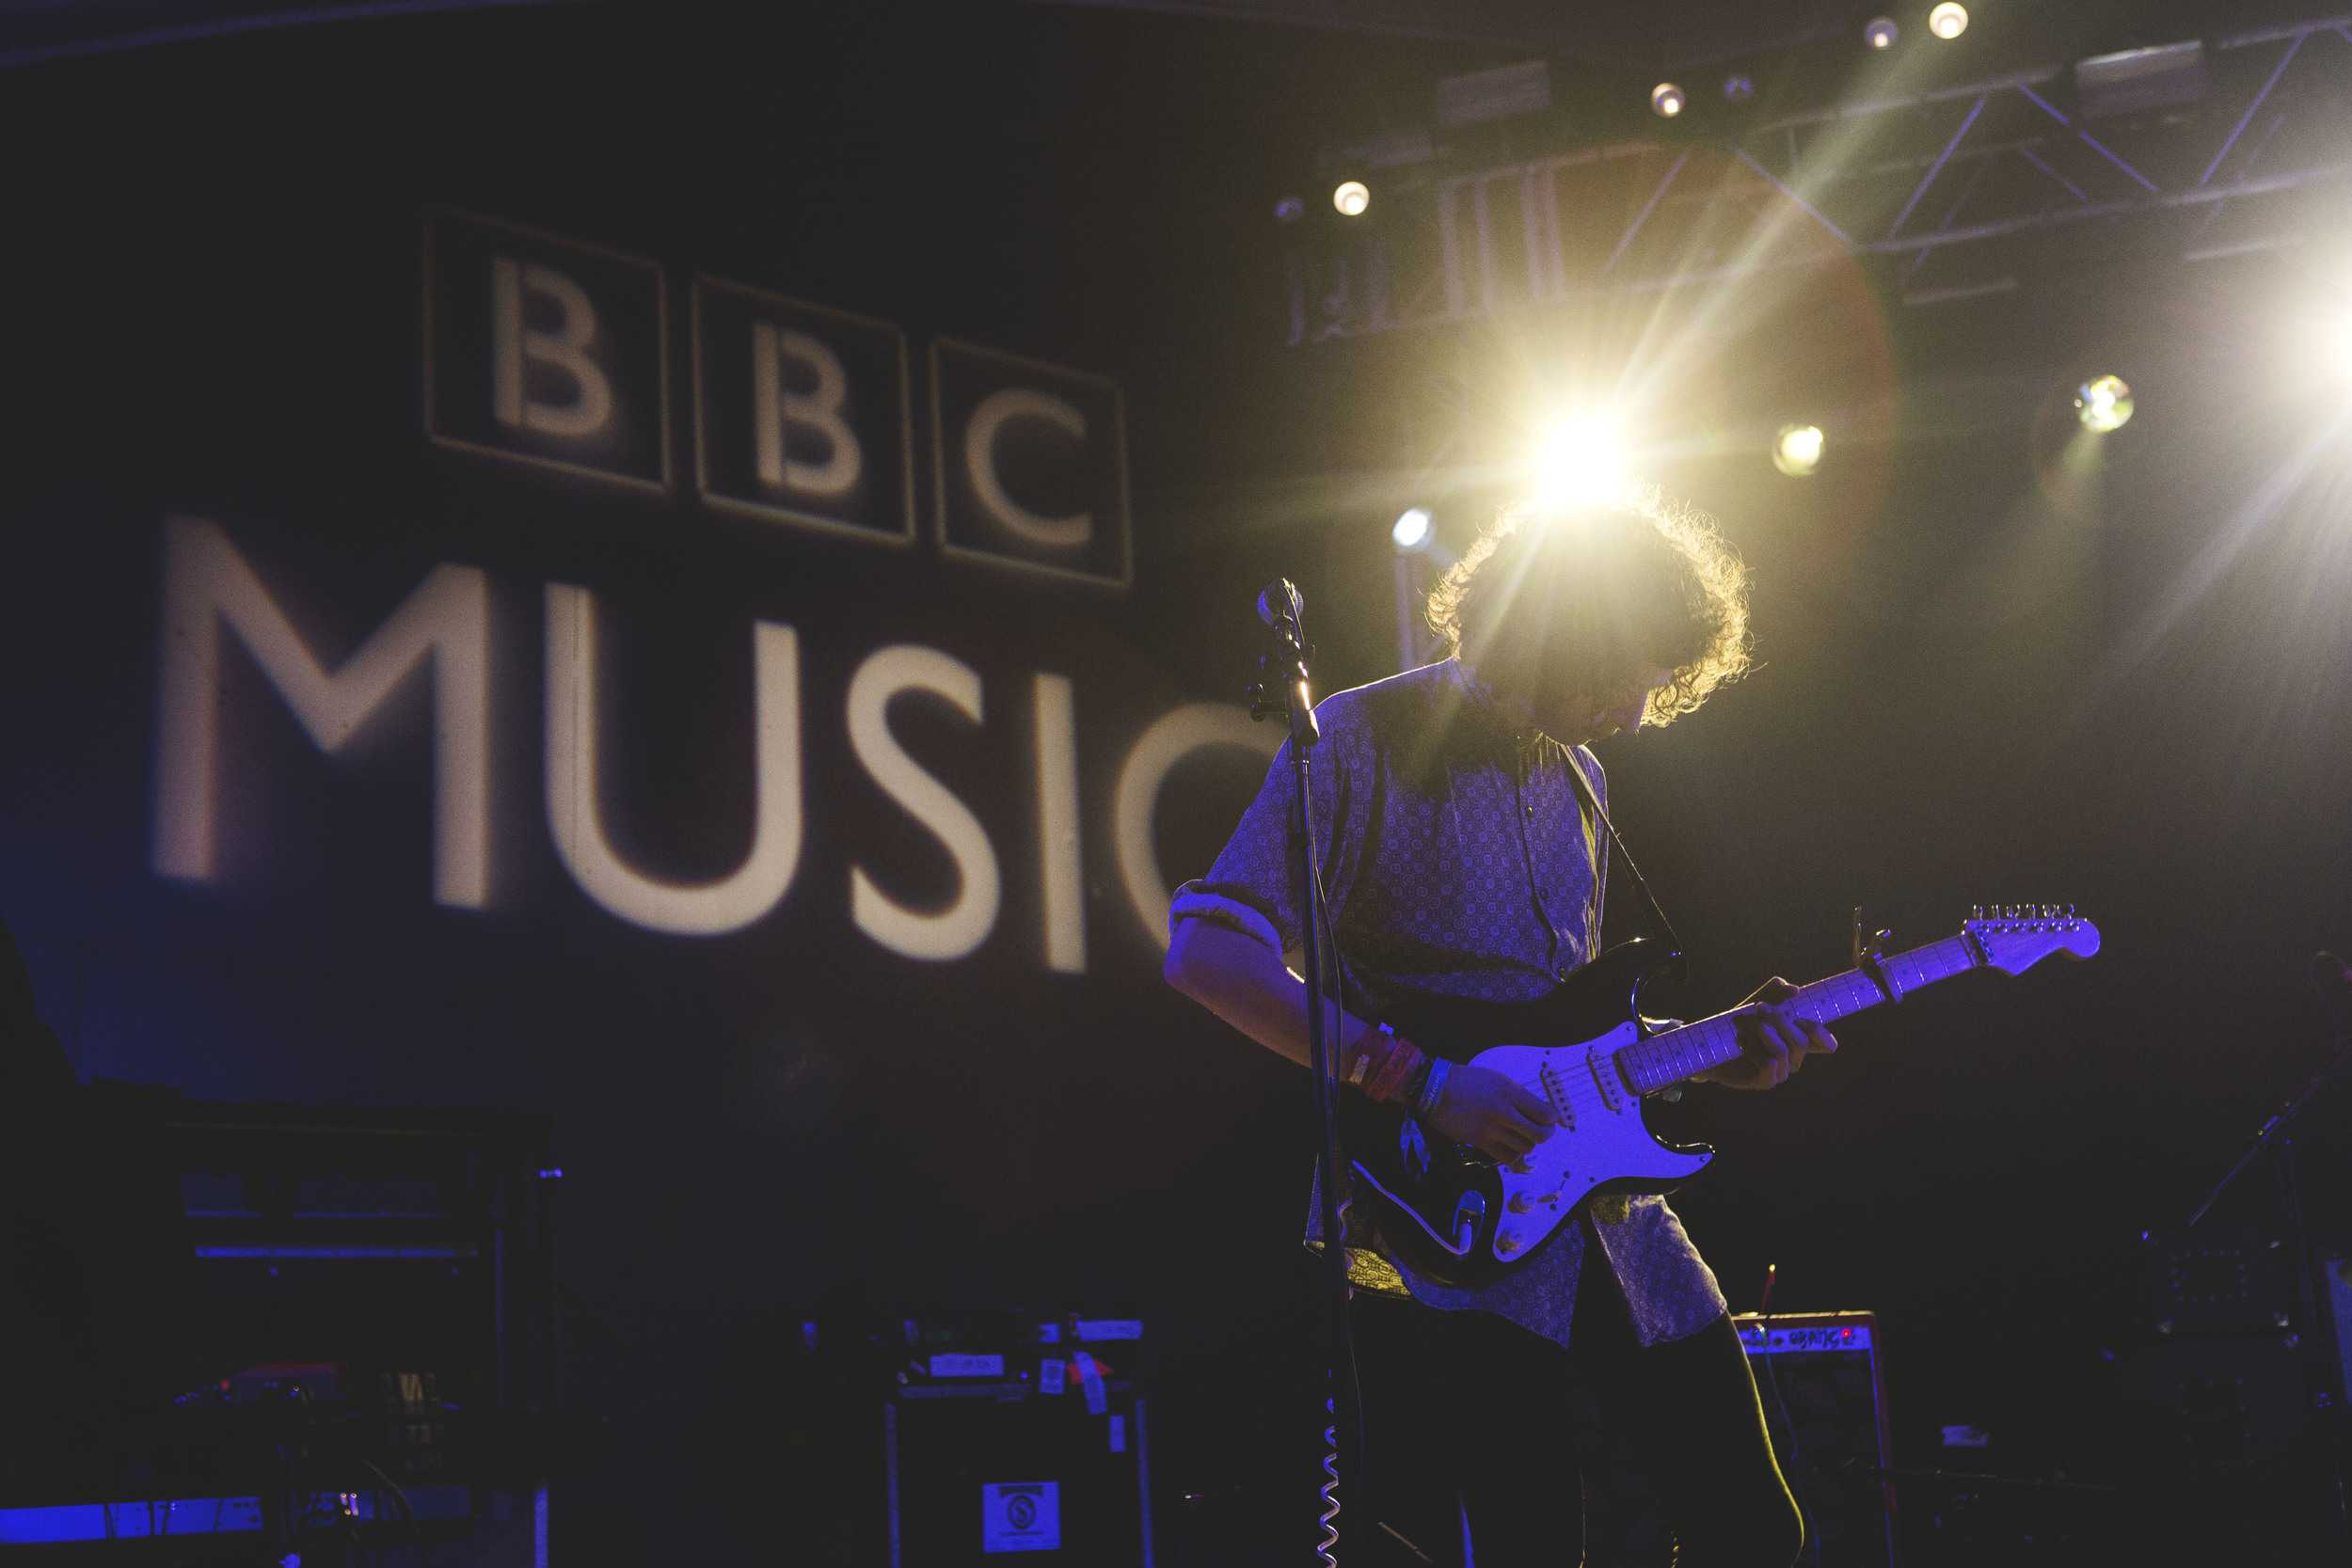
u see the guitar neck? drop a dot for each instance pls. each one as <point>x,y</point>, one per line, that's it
<point>1678,1054</point>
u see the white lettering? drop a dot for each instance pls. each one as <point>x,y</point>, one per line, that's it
<point>1174,736</point>
<point>773,408</point>
<point>995,411</point>
<point>1059,867</point>
<point>566,349</point>
<point>963,925</point>
<point>577,820</point>
<point>208,584</point>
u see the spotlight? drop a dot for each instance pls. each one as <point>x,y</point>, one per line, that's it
<point>1881,32</point>
<point>1666,101</point>
<point>2104,402</point>
<point>1289,210</point>
<point>1948,20</point>
<point>1797,450</point>
<point>1578,461</point>
<point>1739,88</point>
<point>1412,529</point>
<point>1351,197</point>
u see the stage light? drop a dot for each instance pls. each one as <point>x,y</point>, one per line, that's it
<point>2104,402</point>
<point>1881,32</point>
<point>1666,100</point>
<point>1579,461</point>
<point>1948,20</point>
<point>1412,529</point>
<point>1739,88</point>
<point>1351,197</point>
<point>1289,210</point>
<point>1797,450</point>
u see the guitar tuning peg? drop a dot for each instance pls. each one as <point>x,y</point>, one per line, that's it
<point>1975,912</point>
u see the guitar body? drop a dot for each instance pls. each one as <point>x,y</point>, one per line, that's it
<point>1452,1213</point>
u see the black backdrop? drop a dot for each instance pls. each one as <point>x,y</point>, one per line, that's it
<point>1982,679</point>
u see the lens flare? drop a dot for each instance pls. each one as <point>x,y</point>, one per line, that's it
<point>2104,403</point>
<point>1579,461</point>
<point>1797,450</point>
<point>1881,32</point>
<point>1351,197</point>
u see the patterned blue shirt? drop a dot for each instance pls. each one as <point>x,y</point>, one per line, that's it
<point>1459,862</point>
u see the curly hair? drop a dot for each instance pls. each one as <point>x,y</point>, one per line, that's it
<point>1608,589</point>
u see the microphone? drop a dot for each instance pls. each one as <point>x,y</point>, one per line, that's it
<point>1281,604</point>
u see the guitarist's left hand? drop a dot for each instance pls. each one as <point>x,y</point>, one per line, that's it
<point>1775,1042</point>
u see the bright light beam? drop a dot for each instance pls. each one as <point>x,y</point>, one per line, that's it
<point>1797,450</point>
<point>1412,529</point>
<point>1579,461</point>
<point>2104,403</point>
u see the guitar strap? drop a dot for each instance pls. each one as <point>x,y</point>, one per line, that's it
<point>1592,800</point>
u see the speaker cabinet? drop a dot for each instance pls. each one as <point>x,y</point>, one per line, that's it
<point>981,1473</point>
<point>1824,1396</point>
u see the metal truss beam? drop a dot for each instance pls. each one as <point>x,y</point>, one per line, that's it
<point>1992,162</point>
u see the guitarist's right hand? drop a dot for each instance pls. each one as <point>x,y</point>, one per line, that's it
<point>1486,1110</point>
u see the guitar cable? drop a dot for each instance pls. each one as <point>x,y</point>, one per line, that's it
<point>1787,1418</point>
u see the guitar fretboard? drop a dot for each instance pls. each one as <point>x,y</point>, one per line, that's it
<point>1664,1059</point>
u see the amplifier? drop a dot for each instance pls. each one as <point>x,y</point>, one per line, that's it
<point>2216,1282</point>
<point>1002,1432</point>
<point>1823,1392</point>
<point>1825,1395</point>
<point>979,1468</point>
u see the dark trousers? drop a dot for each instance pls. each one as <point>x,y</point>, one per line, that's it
<point>1469,1417</point>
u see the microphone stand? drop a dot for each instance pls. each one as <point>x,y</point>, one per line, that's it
<point>2321,1357</point>
<point>1283,686</point>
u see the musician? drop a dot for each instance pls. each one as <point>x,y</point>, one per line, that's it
<point>1459,861</point>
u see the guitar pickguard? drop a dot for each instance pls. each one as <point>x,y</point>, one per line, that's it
<point>1458,1217</point>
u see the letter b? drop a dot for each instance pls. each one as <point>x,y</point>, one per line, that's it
<point>566,348</point>
<point>545,351</point>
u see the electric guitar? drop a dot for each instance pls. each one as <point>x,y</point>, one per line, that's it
<point>1458,1216</point>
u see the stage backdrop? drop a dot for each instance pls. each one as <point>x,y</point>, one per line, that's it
<point>466,658</point>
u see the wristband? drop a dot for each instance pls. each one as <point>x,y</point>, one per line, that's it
<point>1388,1075</point>
<point>1432,1087</point>
<point>1369,1054</point>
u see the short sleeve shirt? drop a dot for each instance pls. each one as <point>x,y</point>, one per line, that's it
<point>1459,861</point>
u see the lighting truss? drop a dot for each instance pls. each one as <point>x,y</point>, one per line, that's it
<point>1942,194</point>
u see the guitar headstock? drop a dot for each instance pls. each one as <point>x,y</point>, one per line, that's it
<point>2015,937</point>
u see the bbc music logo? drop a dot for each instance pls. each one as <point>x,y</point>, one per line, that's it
<point>551,351</point>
